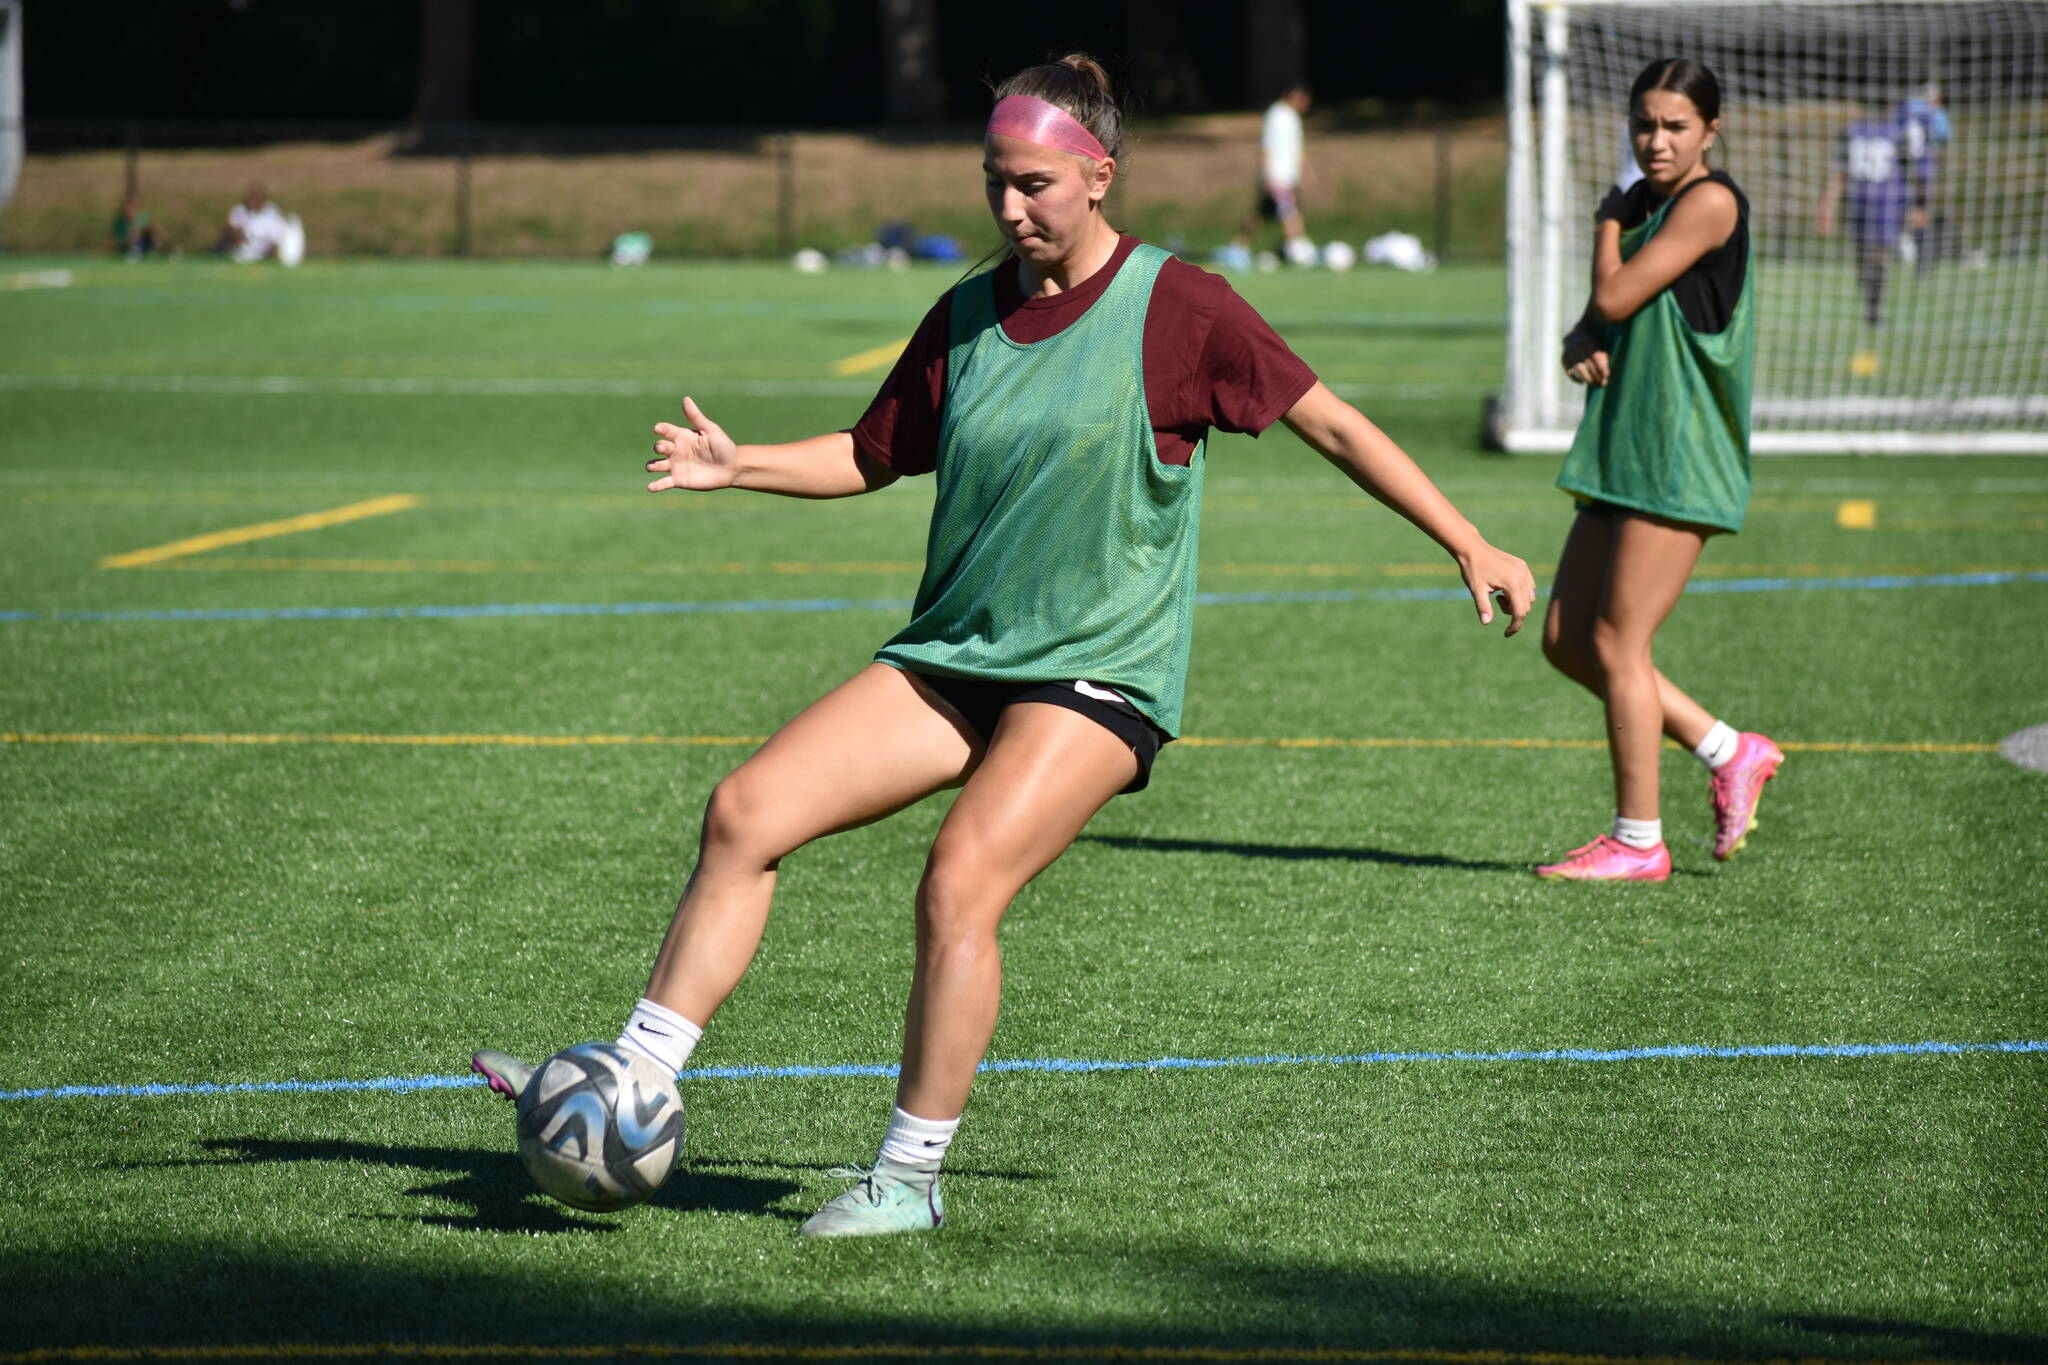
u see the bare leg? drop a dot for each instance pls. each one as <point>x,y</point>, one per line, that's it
<point>1651,562</point>
<point>1047,771</point>
<point>1576,596</point>
<point>868,748</point>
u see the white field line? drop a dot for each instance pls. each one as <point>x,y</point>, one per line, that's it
<point>543,387</point>
<point>396,386</point>
<point>36,279</point>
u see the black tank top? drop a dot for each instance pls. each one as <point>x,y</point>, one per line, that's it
<point>1707,292</point>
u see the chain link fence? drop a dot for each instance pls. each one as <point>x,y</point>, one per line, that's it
<point>499,191</point>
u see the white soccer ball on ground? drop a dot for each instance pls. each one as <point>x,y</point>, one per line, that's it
<point>291,244</point>
<point>600,1126</point>
<point>1339,256</point>
<point>1402,250</point>
<point>810,261</point>
<point>1301,251</point>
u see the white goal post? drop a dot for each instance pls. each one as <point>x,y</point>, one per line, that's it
<point>1919,322</point>
<point>11,144</point>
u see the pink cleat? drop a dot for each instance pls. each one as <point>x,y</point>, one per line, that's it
<point>1610,860</point>
<point>1735,787</point>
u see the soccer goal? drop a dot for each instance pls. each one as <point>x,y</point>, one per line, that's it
<point>1895,157</point>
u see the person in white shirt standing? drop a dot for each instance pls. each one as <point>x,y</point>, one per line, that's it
<point>258,230</point>
<point>1282,165</point>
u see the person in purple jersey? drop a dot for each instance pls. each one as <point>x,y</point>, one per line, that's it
<point>1924,119</point>
<point>1884,174</point>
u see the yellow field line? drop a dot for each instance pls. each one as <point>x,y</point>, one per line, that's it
<point>276,564</point>
<point>733,741</point>
<point>400,741</point>
<point>213,540</point>
<point>749,1350</point>
<point>497,566</point>
<point>1966,524</point>
<point>870,360</point>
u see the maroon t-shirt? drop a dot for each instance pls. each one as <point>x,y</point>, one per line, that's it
<point>1210,361</point>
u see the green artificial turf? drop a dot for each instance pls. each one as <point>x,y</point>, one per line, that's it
<point>309,906</point>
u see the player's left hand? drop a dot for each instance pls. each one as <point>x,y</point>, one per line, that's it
<point>1585,359</point>
<point>1491,574</point>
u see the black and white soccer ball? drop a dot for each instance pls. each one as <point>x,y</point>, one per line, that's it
<point>600,1126</point>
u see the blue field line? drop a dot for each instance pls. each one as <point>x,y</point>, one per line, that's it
<point>1069,1066</point>
<point>1932,580</point>
<point>892,604</point>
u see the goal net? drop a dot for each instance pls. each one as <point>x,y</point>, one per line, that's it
<point>1918,321</point>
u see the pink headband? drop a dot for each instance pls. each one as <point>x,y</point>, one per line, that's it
<point>1048,125</point>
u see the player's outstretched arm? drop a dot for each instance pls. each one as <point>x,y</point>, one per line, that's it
<point>701,457</point>
<point>1344,436</point>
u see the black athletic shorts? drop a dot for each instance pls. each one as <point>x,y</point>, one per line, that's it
<point>1271,208</point>
<point>980,704</point>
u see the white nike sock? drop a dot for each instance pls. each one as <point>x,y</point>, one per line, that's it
<point>1719,745</point>
<point>1638,833</point>
<point>912,1141</point>
<point>662,1034</point>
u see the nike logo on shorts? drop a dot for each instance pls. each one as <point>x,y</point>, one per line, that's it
<point>1089,689</point>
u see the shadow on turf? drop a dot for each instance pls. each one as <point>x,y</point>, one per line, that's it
<point>1300,852</point>
<point>504,1199</point>
<point>1311,852</point>
<point>497,1188</point>
<point>1962,1345</point>
<point>173,1294</point>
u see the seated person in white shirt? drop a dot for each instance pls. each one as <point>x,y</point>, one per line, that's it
<point>257,230</point>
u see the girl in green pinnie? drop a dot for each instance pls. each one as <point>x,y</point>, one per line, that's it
<point>1061,400</point>
<point>1660,462</point>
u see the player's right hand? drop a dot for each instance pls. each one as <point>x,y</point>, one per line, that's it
<point>699,457</point>
<point>1585,359</point>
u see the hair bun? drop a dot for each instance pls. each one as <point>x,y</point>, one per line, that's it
<point>1089,67</point>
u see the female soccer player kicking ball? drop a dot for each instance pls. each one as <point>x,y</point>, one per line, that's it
<point>1062,400</point>
<point>1661,462</point>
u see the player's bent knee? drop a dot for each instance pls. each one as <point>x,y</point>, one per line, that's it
<point>1616,651</point>
<point>962,895</point>
<point>1573,656</point>
<point>1566,656</point>
<point>743,819</point>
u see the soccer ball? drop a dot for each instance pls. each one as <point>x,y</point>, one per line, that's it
<point>600,1126</point>
<point>1339,256</point>
<point>1301,252</point>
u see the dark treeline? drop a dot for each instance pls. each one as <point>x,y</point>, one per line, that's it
<point>724,62</point>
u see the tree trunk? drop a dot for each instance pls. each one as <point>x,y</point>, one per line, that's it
<point>1163,68</point>
<point>912,91</point>
<point>442,91</point>
<point>1275,49</point>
